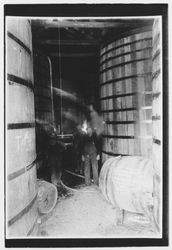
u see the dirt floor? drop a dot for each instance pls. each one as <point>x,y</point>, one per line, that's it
<point>84,213</point>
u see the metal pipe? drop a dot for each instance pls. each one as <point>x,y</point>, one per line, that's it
<point>51,86</point>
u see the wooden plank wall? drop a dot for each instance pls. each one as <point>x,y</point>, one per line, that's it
<point>126,95</point>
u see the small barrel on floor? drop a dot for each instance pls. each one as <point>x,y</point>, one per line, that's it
<point>127,183</point>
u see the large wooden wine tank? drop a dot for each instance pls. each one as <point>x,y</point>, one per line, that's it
<point>21,188</point>
<point>126,94</point>
<point>157,117</point>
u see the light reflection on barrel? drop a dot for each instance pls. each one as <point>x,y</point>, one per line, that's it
<point>157,117</point>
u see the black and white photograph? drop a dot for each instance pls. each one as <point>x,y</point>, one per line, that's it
<point>86,125</point>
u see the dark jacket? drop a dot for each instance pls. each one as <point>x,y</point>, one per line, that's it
<point>91,144</point>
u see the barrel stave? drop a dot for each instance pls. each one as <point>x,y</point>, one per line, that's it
<point>126,88</point>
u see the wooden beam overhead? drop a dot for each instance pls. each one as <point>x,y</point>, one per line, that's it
<point>73,54</point>
<point>69,42</point>
<point>80,24</point>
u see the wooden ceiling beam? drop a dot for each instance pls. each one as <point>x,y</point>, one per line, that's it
<point>79,24</point>
<point>73,54</point>
<point>69,42</point>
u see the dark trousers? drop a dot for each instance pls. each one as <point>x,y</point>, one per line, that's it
<point>90,161</point>
<point>78,162</point>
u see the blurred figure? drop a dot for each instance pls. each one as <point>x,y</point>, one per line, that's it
<point>96,121</point>
<point>90,155</point>
<point>55,158</point>
<point>42,145</point>
<point>49,154</point>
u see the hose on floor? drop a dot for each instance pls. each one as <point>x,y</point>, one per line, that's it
<point>70,172</point>
<point>77,190</point>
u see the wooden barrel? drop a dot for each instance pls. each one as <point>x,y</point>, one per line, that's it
<point>127,183</point>
<point>21,187</point>
<point>44,111</point>
<point>126,94</point>
<point>157,116</point>
<point>105,174</point>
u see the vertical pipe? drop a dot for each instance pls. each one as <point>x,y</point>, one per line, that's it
<point>51,86</point>
<point>61,101</point>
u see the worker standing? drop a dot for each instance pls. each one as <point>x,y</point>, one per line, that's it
<point>90,156</point>
<point>55,158</point>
